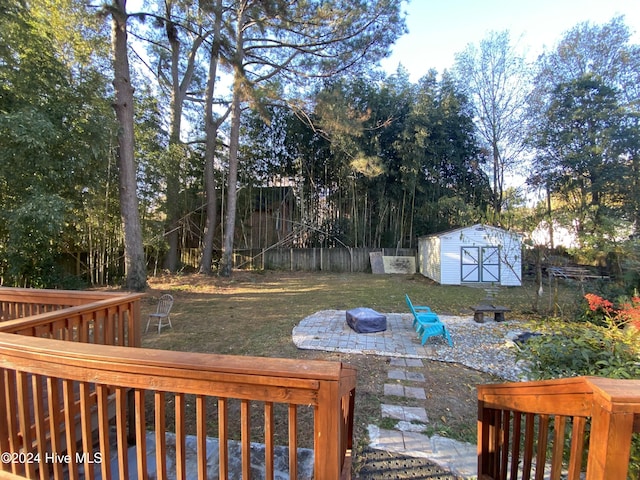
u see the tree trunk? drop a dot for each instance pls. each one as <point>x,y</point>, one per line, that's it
<point>550,217</point>
<point>226,262</point>
<point>635,190</point>
<point>211,215</point>
<point>211,136</point>
<point>173,171</point>
<point>497,183</point>
<point>135,271</point>
<point>179,89</point>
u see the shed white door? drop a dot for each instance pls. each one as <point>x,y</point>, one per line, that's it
<point>490,264</point>
<point>470,264</point>
<point>480,264</point>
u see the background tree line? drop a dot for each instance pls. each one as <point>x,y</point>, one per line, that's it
<point>231,98</point>
<point>374,161</point>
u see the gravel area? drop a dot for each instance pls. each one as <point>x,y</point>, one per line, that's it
<point>487,347</point>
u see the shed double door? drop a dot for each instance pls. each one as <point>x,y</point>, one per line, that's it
<point>480,264</point>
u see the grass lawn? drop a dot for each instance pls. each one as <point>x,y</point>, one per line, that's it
<point>253,313</point>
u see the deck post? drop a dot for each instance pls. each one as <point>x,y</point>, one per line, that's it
<point>327,429</point>
<point>610,443</point>
<point>135,324</point>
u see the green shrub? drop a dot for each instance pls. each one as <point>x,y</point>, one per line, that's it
<point>573,349</point>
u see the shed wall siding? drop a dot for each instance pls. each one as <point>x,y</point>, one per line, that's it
<point>451,261</point>
<point>429,255</point>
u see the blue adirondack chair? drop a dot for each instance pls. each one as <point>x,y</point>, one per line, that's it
<point>420,311</point>
<point>427,323</point>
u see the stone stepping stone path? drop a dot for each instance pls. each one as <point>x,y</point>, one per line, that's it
<point>406,384</point>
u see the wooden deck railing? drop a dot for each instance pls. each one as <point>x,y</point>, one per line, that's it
<point>60,401</point>
<point>557,429</point>
<point>26,302</point>
<point>35,370</point>
<point>88,317</point>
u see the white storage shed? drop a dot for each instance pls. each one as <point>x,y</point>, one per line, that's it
<point>469,255</point>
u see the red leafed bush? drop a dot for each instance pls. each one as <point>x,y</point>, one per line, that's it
<point>602,311</point>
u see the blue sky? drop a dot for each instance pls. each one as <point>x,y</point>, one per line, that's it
<point>440,28</point>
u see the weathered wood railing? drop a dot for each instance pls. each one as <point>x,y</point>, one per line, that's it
<point>88,317</point>
<point>60,401</point>
<point>559,427</point>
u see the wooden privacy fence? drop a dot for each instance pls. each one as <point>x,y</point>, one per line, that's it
<point>66,393</point>
<point>302,259</point>
<point>571,428</point>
